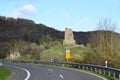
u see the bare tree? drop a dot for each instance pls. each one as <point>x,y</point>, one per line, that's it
<point>105,44</point>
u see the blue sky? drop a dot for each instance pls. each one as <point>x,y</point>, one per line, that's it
<point>80,15</point>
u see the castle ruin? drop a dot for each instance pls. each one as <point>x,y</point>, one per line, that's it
<point>69,37</point>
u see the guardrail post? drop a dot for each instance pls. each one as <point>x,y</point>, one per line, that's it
<point>113,74</point>
<point>86,68</point>
<point>104,72</point>
<point>63,65</point>
<point>119,76</point>
<point>91,69</point>
<point>95,70</point>
<point>109,73</point>
<point>100,71</point>
<point>79,67</point>
<point>83,67</point>
<point>0,62</point>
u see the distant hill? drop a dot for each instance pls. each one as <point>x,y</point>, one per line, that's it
<point>28,30</point>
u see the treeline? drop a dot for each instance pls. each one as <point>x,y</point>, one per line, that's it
<point>27,50</point>
<point>27,30</point>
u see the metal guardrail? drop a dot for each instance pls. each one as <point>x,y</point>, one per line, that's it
<point>111,72</point>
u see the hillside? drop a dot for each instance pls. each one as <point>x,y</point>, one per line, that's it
<point>37,41</point>
<point>58,53</point>
<point>28,30</point>
<point>12,29</point>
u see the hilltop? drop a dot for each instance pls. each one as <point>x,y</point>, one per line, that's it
<point>28,30</point>
<point>14,29</point>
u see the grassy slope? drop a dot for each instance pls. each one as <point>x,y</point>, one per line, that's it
<point>59,51</point>
<point>4,73</point>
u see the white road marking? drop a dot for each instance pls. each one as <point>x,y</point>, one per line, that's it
<point>51,70</point>
<point>28,73</point>
<point>61,76</point>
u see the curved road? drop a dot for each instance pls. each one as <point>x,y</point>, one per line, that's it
<point>40,72</point>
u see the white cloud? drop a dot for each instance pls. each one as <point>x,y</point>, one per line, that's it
<point>29,8</point>
<point>24,11</point>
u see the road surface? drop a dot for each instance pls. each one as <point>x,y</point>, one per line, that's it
<point>40,72</point>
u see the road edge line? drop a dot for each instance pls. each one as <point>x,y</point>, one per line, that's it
<point>28,73</point>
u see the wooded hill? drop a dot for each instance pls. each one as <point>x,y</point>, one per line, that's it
<point>28,30</point>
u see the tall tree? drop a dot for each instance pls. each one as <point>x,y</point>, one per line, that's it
<point>46,41</point>
<point>4,49</point>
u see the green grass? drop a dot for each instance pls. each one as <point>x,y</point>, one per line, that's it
<point>56,49</point>
<point>4,73</point>
<point>62,49</point>
<point>58,52</point>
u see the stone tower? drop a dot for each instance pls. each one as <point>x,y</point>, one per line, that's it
<point>69,38</point>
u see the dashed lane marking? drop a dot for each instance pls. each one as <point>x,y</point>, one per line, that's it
<point>61,76</point>
<point>50,70</point>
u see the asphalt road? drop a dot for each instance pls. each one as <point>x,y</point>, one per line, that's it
<point>40,72</point>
